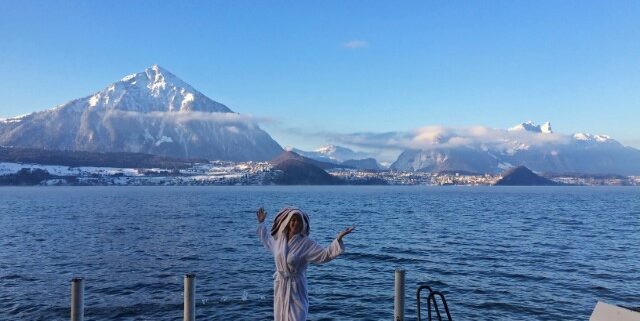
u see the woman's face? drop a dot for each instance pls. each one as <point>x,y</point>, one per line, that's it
<point>295,225</point>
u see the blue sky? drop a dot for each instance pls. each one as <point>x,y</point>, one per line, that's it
<point>339,67</point>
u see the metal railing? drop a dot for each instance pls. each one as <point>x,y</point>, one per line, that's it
<point>77,298</point>
<point>432,299</point>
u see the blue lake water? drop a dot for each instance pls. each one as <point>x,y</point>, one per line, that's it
<point>498,253</point>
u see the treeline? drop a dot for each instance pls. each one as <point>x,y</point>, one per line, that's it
<point>33,176</point>
<point>82,158</point>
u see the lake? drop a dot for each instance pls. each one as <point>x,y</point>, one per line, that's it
<point>498,253</point>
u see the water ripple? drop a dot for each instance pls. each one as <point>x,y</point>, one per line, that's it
<point>499,254</point>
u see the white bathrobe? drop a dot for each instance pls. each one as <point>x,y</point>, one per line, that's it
<point>290,297</point>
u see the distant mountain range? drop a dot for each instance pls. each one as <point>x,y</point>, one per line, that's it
<point>527,144</point>
<point>295,169</point>
<point>154,112</point>
<point>151,112</point>
<point>342,156</point>
<point>332,153</point>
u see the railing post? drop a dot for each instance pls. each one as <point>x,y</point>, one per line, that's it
<point>77,299</point>
<point>189,297</point>
<point>398,304</point>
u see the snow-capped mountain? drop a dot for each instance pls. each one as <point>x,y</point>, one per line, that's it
<point>463,158</point>
<point>588,138</point>
<point>343,156</point>
<point>153,112</point>
<point>332,153</point>
<point>340,153</point>
<point>532,127</point>
<point>530,145</point>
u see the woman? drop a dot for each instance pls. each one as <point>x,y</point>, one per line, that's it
<point>292,250</point>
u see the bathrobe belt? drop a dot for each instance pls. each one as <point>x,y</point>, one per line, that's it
<point>286,278</point>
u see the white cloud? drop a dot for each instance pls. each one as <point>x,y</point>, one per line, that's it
<point>355,44</point>
<point>387,145</point>
<point>431,137</point>
<point>14,119</point>
<point>188,116</point>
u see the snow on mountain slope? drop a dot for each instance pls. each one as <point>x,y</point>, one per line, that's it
<point>153,90</point>
<point>528,144</point>
<point>532,127</point>
<point>153,112</point>
<point>342,155</point>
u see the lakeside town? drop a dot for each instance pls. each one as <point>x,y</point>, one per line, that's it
<point>260,173</point>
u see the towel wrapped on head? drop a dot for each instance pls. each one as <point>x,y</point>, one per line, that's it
<point>281,222</point>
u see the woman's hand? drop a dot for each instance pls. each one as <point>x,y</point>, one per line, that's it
<point>345,232</point>
<point>261,214</point>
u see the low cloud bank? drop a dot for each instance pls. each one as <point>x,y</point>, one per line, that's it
<point>190,116</point>
<point>432,137</point>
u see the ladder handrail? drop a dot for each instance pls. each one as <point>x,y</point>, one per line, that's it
<point>420,288</point>
<point>432,298</point>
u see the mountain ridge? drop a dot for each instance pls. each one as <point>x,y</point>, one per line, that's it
<point>341,156</point>
<point>527,144</point>
<point>152,112</point>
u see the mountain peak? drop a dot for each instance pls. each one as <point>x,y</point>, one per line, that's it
<point>334,153</point>
<point>156,79</point>
<point>151,111</point>
<point>530,126</point>
<point>521,175</point>
<point>592,138</point>
<point>154,89</point>
<point>330,149</point>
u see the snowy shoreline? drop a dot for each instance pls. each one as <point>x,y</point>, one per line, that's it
<point>249,173</point>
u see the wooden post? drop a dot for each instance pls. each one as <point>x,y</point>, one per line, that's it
<point>189,297</point>
<point>398,304</point>
<point>77,299</point>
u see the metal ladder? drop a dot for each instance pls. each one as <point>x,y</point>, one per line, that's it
<point>432,298</point>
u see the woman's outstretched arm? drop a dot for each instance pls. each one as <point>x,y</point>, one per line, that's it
<point>346,231</point>
<point>263,234</point>
<point>318,255</point>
